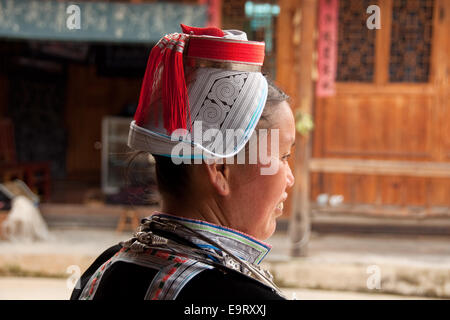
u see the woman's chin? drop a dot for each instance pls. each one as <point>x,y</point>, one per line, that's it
<point>270,230</point>
<point>278,212</point>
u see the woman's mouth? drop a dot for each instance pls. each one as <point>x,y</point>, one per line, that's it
<point>280,206</point>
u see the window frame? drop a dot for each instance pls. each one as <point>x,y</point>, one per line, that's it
<point>381,82</point>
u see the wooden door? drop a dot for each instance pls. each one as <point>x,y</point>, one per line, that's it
<point>391,104</point>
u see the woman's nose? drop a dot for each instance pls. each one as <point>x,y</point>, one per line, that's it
<point>290,178</point>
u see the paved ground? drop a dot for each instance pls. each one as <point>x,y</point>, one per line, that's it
<point>419,250</point>
<point>407,266</point>
<point>13,288</point>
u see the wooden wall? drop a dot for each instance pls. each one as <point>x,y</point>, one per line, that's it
<point>4,87</point>
<point>233,14</point>
<point>389,121</point>
<point>89,98</point>
<point>366,121</point>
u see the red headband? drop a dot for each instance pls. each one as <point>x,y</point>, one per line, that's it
<point>226,50</point>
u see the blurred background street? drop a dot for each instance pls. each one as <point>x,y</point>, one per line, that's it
<point>335,268</point>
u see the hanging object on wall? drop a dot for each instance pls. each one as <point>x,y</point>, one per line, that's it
<point>327,47</point>
<point>213,12</point>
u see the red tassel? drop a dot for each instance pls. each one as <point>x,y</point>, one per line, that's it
<point>174,91</point>
<point>165,57</point>
<point>149,85</point>
<point>181,92</point>
<point>166,88</point>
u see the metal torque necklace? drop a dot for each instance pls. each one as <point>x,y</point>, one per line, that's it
<point>159,231</point>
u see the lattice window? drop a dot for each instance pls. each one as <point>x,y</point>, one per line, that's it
<point>411,39</point>
<point>356,43</point>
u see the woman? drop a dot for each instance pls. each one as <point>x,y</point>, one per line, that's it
<point>207,241</point>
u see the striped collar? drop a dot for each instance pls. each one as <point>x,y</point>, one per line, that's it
<point>238,243</point>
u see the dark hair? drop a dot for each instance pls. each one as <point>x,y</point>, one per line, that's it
<point>174,179</point>
<point>275,94</point>
<point>274,97</point>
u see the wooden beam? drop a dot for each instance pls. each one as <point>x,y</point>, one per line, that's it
<point>359,88</point>
<point>382,167</point>
<point>439,77</point>
<point>383,43</point>
<point>381,212</point>
<point>300,225</point>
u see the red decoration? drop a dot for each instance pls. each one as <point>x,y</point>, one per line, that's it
<point>227,50</point>
<point>214,12</point>
<point>211,31</point>
<point>327,47</point>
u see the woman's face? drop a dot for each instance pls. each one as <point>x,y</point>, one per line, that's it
<point>256,199</point>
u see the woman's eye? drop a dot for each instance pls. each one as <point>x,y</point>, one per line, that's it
<point>285,157</point>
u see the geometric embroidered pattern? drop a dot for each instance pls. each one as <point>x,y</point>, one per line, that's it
<point>220,100</point>
<point>174,271</point>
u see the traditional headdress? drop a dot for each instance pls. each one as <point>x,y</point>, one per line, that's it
<point>203,74</point>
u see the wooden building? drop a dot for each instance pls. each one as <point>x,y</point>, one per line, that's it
<point>382,140</point>
<point>384,137</point>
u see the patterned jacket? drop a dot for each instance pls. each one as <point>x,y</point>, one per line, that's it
<point>132,270</point>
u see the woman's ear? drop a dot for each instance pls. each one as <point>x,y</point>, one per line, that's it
<point>219,175</point>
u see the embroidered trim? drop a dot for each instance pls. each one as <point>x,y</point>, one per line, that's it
<point>175,270</point>
<point>92,285</point>
<point>242,238</point>
<point>220,64</point>
<point>169,281</point>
